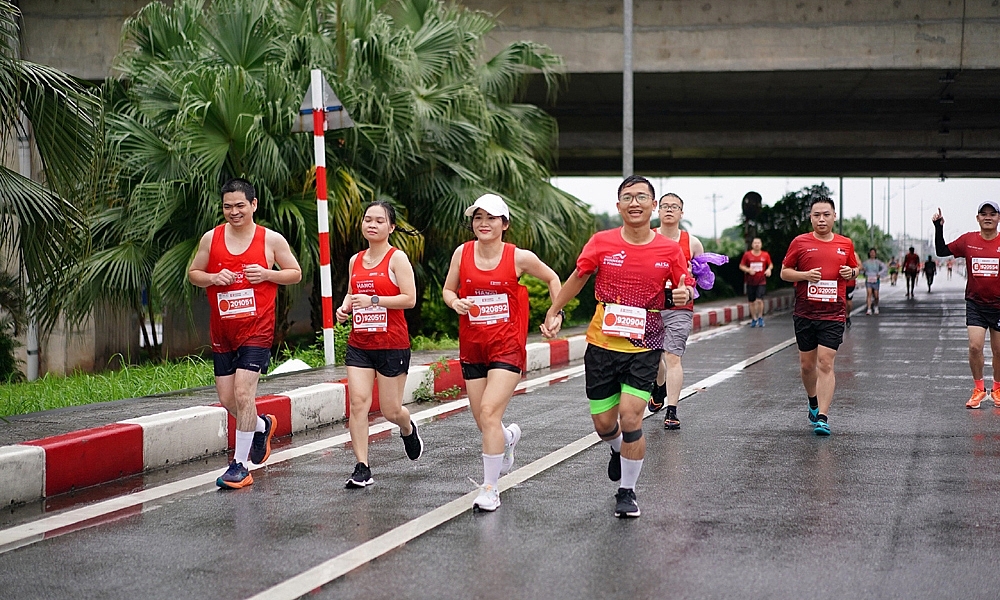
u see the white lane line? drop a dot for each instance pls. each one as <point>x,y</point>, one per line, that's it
<point>95,514</point>
<point>340,565</point>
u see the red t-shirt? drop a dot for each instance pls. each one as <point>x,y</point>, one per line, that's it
<point>911,263</point>
<point>633,277</point>
<point>377,328</point>
<point>982,264</point>
<point>496,328</point>
<point>242,312</point>
<point>758,263</point>
<point>826,300</point>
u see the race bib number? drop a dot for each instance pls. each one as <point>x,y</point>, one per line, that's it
<point>237,304</point>
<point>756,267</point>
<point>487,310</point>
<point>823,291</point>
<point>624,321</point>
<point>985,267</point>
<point>374,319</point>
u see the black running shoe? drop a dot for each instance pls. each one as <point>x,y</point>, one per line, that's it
<point>626,506</point>
<point>657,398</point>
<point>671,421</point>
<point>361,477</point>
<point>260,449</point>
<point>412,443</point>
<point>615,466</point>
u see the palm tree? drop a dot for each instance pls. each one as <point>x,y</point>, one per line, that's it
<point>40,227</point>
<point>210,92</point>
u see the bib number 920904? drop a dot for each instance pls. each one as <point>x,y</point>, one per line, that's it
<point>624,321</point>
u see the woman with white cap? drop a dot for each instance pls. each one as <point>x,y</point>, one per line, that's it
<point>482,287</point>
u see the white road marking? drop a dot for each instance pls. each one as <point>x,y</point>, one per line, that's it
<point>340,565</point>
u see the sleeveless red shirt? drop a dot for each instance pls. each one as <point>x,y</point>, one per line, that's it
<point>377,328</point>
<point>496,329</point>
<point>685,242</point>
<point>242,314</point>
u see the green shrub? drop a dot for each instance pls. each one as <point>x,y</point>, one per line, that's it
<point>539,302</point>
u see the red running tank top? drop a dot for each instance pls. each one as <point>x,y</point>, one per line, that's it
<point>685,242</point>
<point>377,328</point>
<point>242,314</point>
<point>496,328</point>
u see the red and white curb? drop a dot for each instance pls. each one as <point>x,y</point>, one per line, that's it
<point>58,464</point>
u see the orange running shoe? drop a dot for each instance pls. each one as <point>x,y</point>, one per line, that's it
<point>995,394</point>
<point>976,399</point>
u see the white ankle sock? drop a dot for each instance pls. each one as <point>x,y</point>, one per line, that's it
<point>244,439</point>
<point>491,468</point>
<point>630,473</point>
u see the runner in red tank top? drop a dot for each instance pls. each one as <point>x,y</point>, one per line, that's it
<point>820,264</point>
<point>677,320</point>
<point>482,287</point>
<point>381,287</point>
<point>235,263</point>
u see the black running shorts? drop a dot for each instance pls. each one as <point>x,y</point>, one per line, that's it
<point>977,315</point>
<point>810,333</point>
<point>388,363</point>
<point>248,358</point>
<point>480,371</point>
<point>756,292</point>
<point>607,370</point>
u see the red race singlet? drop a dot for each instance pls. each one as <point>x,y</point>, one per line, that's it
<point>242,314</point>
<point>496,328</point>
<point>377,327</point>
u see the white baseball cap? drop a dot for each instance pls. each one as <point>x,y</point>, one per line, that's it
<point>992,203</point>
<point>492,204</point>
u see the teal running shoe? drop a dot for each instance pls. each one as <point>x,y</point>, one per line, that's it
<point>821,428</point>
<point>813,415</point>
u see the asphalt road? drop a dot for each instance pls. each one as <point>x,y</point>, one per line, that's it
<point>743,501</point>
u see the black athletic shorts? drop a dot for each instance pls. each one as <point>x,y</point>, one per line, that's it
<point>388,363</point>
<point>810,333</point>
<point>756,292</point>
<point>248,358</point>
<point>480,371</point>
<point>607,370</point>
<point>977,315</point>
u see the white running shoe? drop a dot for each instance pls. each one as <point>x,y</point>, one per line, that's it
<point>508,452</point>
<point>488,499</point>
<point>876,310</point>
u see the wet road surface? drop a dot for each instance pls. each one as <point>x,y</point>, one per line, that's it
<point>742,501</point>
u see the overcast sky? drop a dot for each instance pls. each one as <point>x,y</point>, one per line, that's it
<point>958,199</point>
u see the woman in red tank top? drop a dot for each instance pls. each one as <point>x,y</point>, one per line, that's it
<point>482,287</point>
<point>381,287</point>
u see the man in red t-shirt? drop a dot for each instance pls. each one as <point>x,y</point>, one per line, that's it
<point>981,250</point>
<point>756,266</point>
<point>235,262</point>
<point>632,266</point>
<point>820,264</point>
<point>911,269</point>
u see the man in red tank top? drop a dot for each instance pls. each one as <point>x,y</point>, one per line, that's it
<point>677,319</point>
<point>235,263</point>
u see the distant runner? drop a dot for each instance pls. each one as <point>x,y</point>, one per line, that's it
<point>930,269</point>
<point>756,265</point>
<point>873,269</point>
<point>893,270</point>
<point>911,269</point>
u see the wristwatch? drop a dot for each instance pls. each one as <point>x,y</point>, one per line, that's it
<point>374,300</point>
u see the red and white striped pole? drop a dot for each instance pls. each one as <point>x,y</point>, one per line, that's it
<point>322,212</point>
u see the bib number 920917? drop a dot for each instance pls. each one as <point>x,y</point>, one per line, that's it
<point>624,321</point>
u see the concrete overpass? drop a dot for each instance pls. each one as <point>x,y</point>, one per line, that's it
<point>789,87</point>
<point>838,87</point>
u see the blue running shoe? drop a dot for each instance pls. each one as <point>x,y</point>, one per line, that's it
<point>760,322</point>
<point>753,322</point>
<point>236,476</point>
<point>821,428</point>
<point>813,415</point>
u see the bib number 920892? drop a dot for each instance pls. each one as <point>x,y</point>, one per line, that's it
<point>487,310</point>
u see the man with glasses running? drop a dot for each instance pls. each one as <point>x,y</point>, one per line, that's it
<point>632,266</point>
<point>677,319</point>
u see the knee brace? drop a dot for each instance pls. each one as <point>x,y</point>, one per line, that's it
<point>631,436</point>
<point>610,435</point>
